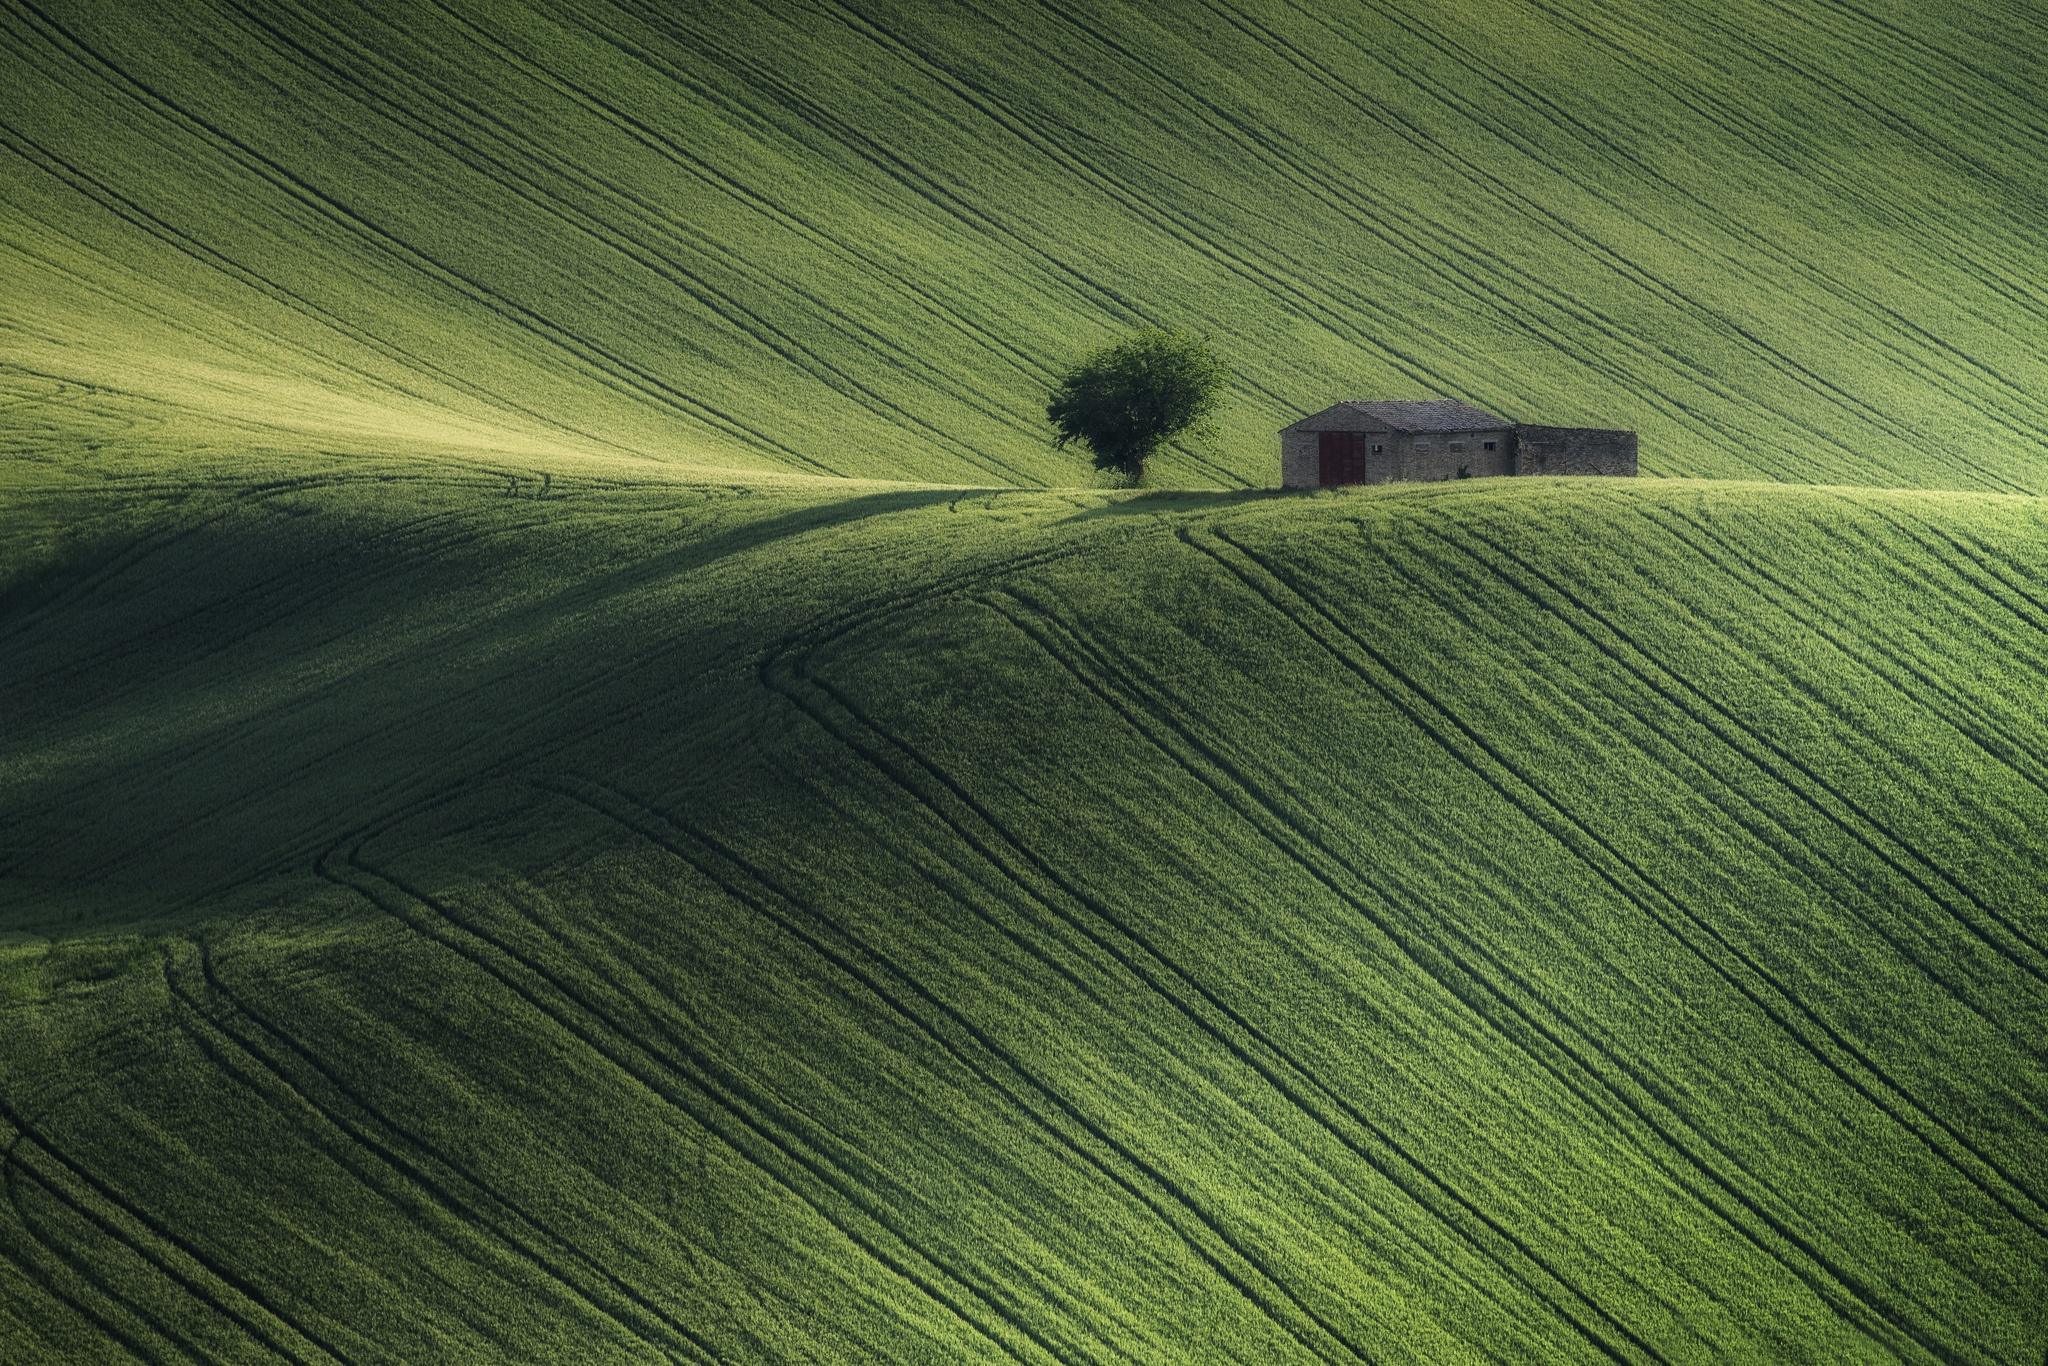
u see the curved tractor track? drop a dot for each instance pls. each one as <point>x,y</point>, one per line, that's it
<point>683,921</point>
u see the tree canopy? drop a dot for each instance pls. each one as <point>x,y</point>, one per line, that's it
<point>1128,399</point>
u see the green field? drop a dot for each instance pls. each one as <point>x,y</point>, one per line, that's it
<point>577,782</point>
<point>1794,240</point>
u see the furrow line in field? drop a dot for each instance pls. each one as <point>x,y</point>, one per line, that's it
<point>785,215</point>
<point>760,1155</point>
<point>974,1049</point>
<point>273,597</point>
<point>708,174</point>
<point>963,580</point>
<point>606,366</point>
<point>244,1067</point>
<point>54,391</point>
<point>817,118</point>
<point>100,1316</point>
<point>924,188</point>
<point>162,230</point>
<point>450,1215</point>
<point>643,249</point>
<point>407,547</point>
<point>1765,46</point>
<point>194,752</point>
<point>101,1062</point>
<point>1995,599</point>
<point>161,535</point>
<point>1936,63</point>
<point>152,543</point>
<point>1848,887</point>
<point>1389,114</point>
<point>1291,835</point>
<point>640,972</point>
<point>1461,264</point>
<point>1773,834</point>
<point>777,1152</point>
<point>1957,75</point>
<point>961,881</point>
<point>1181,225</point>
<point>1422,952</point>
<point>1467,265</point>
<point>1699,99</point>
<point>752,1100</point>
<point>1309,1093</point>
<point>12,1173</point>
<point>1905,658</point>
<point>234,1298</point>
<point>1832,1281</point>
<point>1970,552</point>
<point>285,595</point>
<point>1623,265</point>
<point>2014,19</point>
<point>949,203</point>
<point>835,715</point>
<point>1591,135</point>
<point>1471,567</point>
<point>495,763</point>
<point>1626,266</point>
<point>1968,718</point>
<point>1839,808</point>
<point>246,329</point>
<point>652,971</point>
<point>1129,948</point>
<point>276,780</point>
<point>1977,1167</point>
<point>1770,831</point>
<point>872,746</point>
<point>1975,256</point>
<point>564,737</point>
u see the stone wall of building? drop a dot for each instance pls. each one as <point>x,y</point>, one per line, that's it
<point>1300,461</point>
<point>1402,456</point>
<point>1422,457</point>
<point>1428,456</point>
<point>1383,464</point>
<point>1574,450</point>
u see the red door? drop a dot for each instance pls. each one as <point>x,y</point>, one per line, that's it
<point>1342,458</point>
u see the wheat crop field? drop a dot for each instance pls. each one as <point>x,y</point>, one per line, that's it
<point>580,783</point>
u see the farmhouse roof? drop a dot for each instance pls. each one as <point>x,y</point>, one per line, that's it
<point>1411,415</point>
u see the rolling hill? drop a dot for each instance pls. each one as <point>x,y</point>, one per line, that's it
<point>573,788</point>
<point>617,918</point>
<point>1790,241</point>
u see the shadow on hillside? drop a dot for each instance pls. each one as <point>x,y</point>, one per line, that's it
<point>738,540</point>
<point>1163,502</point>
<point>822,517</point>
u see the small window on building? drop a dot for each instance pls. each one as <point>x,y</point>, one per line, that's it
<point>1488,445</point>
<point>1377,449</point>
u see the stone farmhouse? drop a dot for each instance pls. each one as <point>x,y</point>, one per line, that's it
<point>1373,442</point>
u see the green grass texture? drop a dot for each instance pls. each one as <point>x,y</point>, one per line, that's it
<point>1790,240</point>
<point>494,915</point>
<point>577,784</point>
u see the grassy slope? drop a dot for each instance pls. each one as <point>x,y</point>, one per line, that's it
<point>1786,241</point>
<point>500,864</point>
<point>1528,922</point>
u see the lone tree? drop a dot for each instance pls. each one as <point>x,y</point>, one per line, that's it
<point>1133,396</point>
